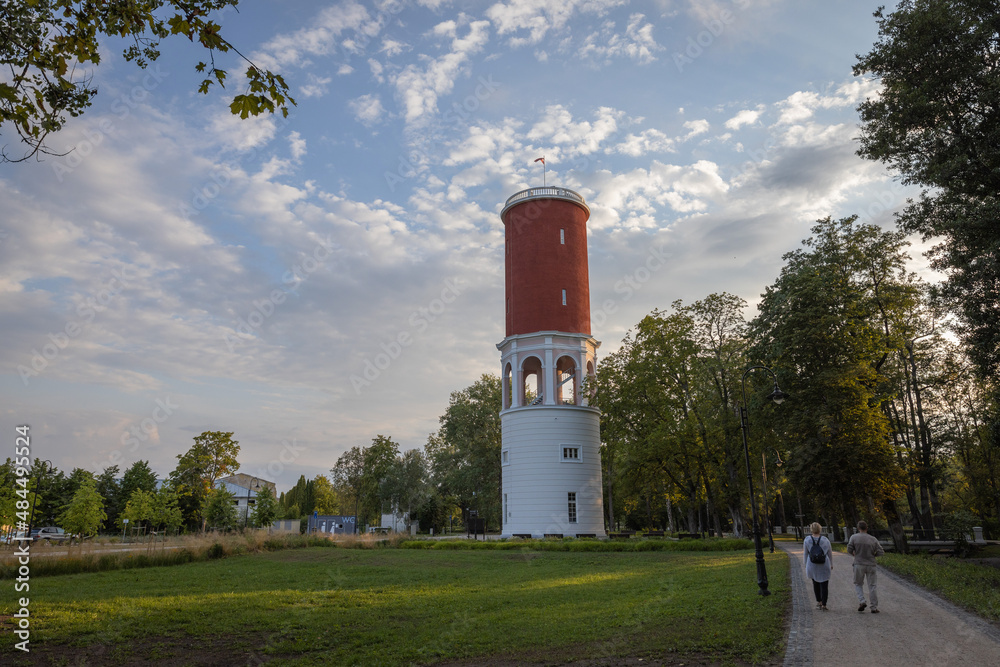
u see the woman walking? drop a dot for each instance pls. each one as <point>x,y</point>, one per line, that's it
<point>818,555</point>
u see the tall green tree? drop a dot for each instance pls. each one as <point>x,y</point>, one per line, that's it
<point>110,489</point>
<point>138,476</point>
<point>821,326</point>
<point>936,122</point>
<point>347,475</point>
<point>325,495</point>
<point>84,514</point>
<point>139,510</point>
<point>265,509</point>
<point>166,512</point>
<point>213,455</point>
<point>220,510</point>
<point>465,452</point>
<point>407,485</point>
<point>379,458</point>
<point>667,420</point>
<point>300,499</point>
<point>47,44</point>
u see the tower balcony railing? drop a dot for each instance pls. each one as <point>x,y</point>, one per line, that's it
<point>546,192</point>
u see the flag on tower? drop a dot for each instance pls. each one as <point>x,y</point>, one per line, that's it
<point>541,159</point>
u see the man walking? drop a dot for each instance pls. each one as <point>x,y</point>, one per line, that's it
<point>865,550</point>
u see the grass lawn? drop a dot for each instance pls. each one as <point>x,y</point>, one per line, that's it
<point>968,584</point>
<point>402,606</point>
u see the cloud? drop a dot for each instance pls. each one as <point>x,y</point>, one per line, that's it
<point>317,85</point>
<point>695,128</point>
<point>419,87</point>
<point>802,104</point>
<point>367,109</point>
<point>557,127</point>
<point>320,38</point>
<point>647,141</point>
<point>744,117</point>
<point>636,44</point>
<point>538,17</point>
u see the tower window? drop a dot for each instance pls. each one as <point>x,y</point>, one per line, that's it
<point>570,453</point>
<point>564,297</point>
<point>562,236</point>
<point>572,507</point>
<point>505,457</point>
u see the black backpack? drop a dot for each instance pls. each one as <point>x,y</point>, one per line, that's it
<point>816,553</point>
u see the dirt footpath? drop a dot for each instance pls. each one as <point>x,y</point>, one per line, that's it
<point>914,627</point>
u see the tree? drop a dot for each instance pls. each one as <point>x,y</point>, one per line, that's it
<point>325,496</point>
<point>829,326</point>
<point>465,452</point>
<point>378,458</point>
<point>667,425</point>
<point>45,42</point>
<point>936,121</point>
<point>85,512</point>
<point>265,510</point>
<point>166,510</point>
<point>300,499</point>
<point>213,455</point>
<point>139,508</point>
<point>347,475</point>
<point>110,489</point>
<point>406,486</point>
<point>138,476</point>
<point>220,510</point>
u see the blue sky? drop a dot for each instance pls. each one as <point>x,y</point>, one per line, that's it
<point>180,270</point>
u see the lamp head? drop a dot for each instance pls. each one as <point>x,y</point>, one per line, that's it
<point>777,395</point>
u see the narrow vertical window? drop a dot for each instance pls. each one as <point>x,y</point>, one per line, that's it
<point>505,514</point>
<point>564,297</point>
<point>562,236</point>
<point>572,507</point>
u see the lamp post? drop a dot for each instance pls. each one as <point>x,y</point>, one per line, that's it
<point>778,397</point>
<point>34,499</point>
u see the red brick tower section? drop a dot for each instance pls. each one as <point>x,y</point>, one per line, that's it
<point>547,282</point>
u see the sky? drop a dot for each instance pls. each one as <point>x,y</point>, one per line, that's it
<point>311,282</point>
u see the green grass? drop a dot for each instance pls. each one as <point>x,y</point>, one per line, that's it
<point>967,584</point>
<point>401,606</point>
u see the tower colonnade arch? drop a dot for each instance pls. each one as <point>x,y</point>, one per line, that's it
<point>547,368</point>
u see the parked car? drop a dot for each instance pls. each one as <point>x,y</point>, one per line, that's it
<point>50,534</point>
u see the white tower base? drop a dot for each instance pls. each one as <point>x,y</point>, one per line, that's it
<point>552,475</point>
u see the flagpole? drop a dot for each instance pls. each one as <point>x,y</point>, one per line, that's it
<point>542,160</point>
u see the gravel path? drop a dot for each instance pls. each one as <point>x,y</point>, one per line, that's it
<point>914,627</point>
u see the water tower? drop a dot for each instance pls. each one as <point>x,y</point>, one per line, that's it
<point>550,452</point>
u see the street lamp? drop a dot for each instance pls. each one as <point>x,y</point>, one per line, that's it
<point>778,397</point>
<point>34,499</point>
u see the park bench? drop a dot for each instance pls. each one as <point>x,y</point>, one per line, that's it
<point>654,533</point>
<point>586,535</point>
<point>689,536</point>
<point>554,536</point>
<point>523,536</point>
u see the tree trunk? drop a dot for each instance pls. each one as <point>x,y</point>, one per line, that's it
<point>670,514</point>
<point>895,527</point>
